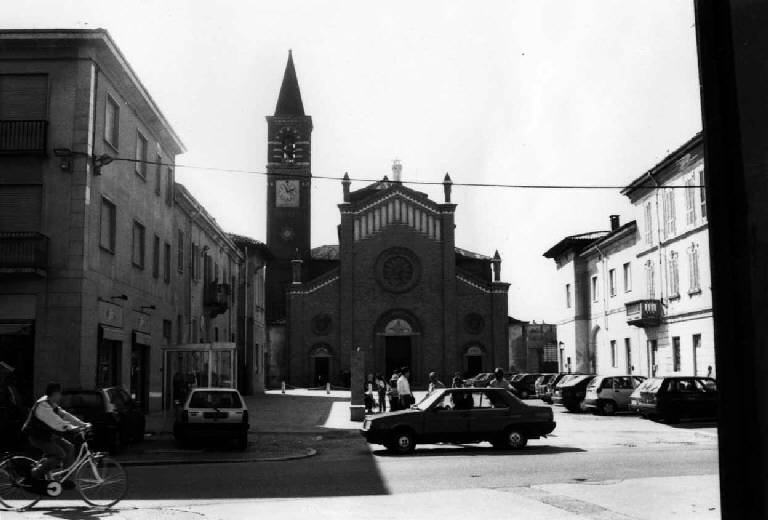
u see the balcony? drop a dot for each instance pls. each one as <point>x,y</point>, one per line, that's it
<point>22,137</point>
<point>216,298</point>
<point>23,252</point>
<point>644,313</point>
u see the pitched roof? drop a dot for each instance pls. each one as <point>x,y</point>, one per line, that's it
<point>331,252</point>
<point>243,241</point>
<point>289,100</point>
<point>575,242</point>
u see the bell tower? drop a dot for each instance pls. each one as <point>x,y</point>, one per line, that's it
<point>289,190</point>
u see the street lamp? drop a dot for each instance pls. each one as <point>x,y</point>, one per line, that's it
<point>66,154</point>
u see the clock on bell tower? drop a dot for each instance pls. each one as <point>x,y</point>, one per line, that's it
<point>289,189</point>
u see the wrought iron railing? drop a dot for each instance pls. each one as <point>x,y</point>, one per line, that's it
<point>21,251</point>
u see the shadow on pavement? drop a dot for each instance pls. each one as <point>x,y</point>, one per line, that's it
<point>76,513</point>
<point>485,451</point>
<point>290,413</point>
<point>694,424</point>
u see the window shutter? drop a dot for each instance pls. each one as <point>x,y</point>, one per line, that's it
<point>20,207</point>
<point>23,96</point>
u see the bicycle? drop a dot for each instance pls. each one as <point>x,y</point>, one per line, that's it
<point>99,479</point>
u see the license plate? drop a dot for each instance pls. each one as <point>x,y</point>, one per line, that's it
<point>215,415</point>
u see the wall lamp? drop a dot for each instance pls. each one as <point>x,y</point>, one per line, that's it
<point>66,154</point>
<point>119,297</point>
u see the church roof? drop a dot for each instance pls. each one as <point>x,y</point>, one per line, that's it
<point>376,187</point>
<point>331,252</point>
<point>289,100</point>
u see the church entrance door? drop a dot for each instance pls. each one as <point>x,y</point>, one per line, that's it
<point>397,353</point>
<point>474,365</point>
<point>322,370</point>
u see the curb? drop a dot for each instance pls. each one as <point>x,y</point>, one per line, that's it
<point>310,452</point>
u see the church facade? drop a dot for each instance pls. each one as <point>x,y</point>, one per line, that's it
<point>396,286</point>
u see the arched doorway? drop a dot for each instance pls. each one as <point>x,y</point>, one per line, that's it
<point>473,361</point>
<point>397,335</point>
<point>320,356</point>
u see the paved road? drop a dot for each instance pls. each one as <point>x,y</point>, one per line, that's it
<point>585,448</point>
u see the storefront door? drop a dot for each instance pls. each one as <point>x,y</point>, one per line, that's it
<point>140,375</point>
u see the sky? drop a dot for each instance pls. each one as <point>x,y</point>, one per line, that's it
<point>528,92</point>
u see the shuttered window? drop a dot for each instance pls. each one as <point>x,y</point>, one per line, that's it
<point>20,207</point>
<point>23,96</point>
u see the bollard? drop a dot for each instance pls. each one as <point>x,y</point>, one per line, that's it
<point>283,387</point>
<point>328,388</point>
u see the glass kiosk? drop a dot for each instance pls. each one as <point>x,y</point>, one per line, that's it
<point>198,365</point>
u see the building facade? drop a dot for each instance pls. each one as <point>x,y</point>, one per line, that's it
<point>636,299</point>
<point>532,347</point>
<point>107,265</point>
<point>396,286</point>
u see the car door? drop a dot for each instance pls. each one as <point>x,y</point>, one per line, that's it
<point>622,389</point>
<point>708,397</point>
<point>490,414</point>
<point>447,420</point>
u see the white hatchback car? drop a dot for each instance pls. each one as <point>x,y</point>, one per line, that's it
<point>212,413</point>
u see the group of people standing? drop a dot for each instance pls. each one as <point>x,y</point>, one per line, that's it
<point>397,389</point>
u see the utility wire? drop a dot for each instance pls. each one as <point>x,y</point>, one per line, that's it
<point>422,183</point>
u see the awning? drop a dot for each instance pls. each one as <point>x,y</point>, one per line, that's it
<point>142,338</point>
<point>15,329</point>
<point>112,333</point>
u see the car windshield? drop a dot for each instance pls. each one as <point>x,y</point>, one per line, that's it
<point>429,400</point>
<point>574,380</point>
<point>81,400</point>
<point>215,399</point>
<point>652,385</point>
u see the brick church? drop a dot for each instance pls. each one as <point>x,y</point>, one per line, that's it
<point>396,286</point>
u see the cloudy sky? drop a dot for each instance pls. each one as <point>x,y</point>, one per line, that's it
<point>536,91</point>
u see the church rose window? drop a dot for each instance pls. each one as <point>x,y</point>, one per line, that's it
<point>397,270</point>
<point>473,323</point>
<point>321,324</point>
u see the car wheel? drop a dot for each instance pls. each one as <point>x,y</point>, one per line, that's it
<point>572,408</point>
<point>403,442</point>
<point>671,417</point>
<point>607,408</point>
<point>514,439</point>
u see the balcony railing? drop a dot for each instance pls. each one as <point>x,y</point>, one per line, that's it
<point>27,136</point>
<point>23,252</point>
<point>216,297</point>
<point>644,313</point>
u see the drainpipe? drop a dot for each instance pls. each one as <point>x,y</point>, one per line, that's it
<point>661,268</point>
<point>605,298</point>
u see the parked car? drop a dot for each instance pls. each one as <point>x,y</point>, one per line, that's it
<point>461,415</point>
<point>117,419</point>
<point>674,397</point>
<point>524,385</point>
<point>212,413</point>
<point>540,386</point>
<point>549,390</point>
<point>480,380</point>
<point>570,392</point>
<point>607,395</point>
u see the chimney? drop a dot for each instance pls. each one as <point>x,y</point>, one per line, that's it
<point>447,183</point>
<point>496,262</point>
<point>615,222</point>
<point>345,182</point>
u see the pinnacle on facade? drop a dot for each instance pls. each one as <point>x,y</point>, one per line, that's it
<point>289,100</point>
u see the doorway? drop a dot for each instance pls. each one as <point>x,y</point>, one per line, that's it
<point>397,353</point>
<point>322,371</point>
<point>140,376</point>
<point>474,365</point>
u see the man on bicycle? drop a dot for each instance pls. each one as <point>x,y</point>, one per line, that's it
<point>44,426</point>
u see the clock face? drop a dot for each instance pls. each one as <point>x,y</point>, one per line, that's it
<point>287,193</point>
<point>286,233</point>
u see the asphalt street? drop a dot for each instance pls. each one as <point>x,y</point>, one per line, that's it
<point>584,448</point>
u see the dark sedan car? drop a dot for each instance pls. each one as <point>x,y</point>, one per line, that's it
<point>674,397</point>
<point>461,415</point>
<point>549,390</point>
<point>525,385</point>
<point>117,419</point>
<point>480,380</point>
<point>570,392</point>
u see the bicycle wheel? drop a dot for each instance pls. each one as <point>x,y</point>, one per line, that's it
<point>101,482</point>
<point>12,495</point>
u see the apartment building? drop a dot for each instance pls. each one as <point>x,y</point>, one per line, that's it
<point>111,273</point>
<point>637,299</point>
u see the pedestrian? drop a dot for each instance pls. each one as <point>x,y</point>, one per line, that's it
<point>499,381</point>
<point>404,389</point>
<point>381,388</point>
<point>434,383</point>
<point>709,371</point>
<point>44,426</point>
<point>394,397</point>
<point>368,394</point>
<point>458,381</point>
